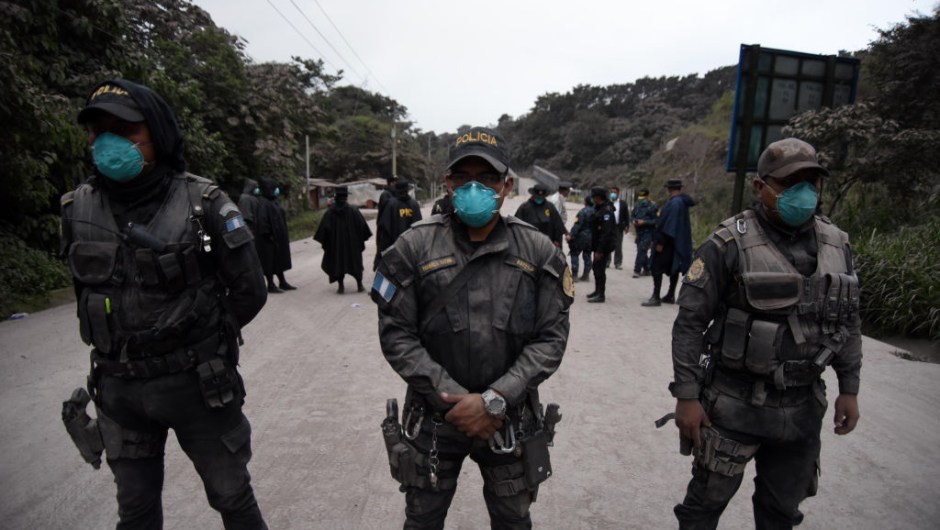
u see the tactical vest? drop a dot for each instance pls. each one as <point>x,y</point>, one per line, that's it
<point>785,325</point>
<point>139,301</point>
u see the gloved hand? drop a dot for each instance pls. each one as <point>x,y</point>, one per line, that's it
<point>690,418</point>
<point>846,416</point>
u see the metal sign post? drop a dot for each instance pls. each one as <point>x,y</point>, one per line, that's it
<point>772,87</point>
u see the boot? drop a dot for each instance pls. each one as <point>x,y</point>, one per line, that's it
<point>599,299</point>
<point>654,301</point>
<point>287,287</point>
<point>359,287</point>
<point>592,295</point>
<point>341,289</point>
<point>669,299</point>
<point>584,277</point>
<point>274,289</point>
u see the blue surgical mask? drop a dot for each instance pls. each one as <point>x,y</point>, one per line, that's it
<point>797,204</point>
<point>116,157</point>
<point>538,200</point>
<point>277,192</point>
<point>475,204</point>
<point>613,196</point>
<point>256,191</point>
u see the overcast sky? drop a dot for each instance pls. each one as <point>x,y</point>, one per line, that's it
<point>468,62</point>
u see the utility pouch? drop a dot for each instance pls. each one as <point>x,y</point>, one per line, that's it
<point>170,267</point>
<point>146,267</point>
<point>734,343</point>
<point>763,346</point>
<point>535,459</point>
<point>81,428</point>
<point>97,309</point>
<point>218,383</point>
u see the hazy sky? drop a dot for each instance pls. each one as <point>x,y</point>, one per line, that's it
<point>453,63</point>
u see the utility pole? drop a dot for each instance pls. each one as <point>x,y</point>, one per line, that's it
<point>306,187</point>
<point>394,154</point>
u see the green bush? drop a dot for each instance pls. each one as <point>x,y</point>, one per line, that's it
<point>304,224</point>
<point>25,274</point>
<point>900,279</point>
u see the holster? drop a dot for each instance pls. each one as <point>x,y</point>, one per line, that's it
<point>401,456</point>
<point>535,459</point>
<point>82,428</point>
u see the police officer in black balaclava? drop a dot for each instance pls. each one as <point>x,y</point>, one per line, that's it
<point>166,275</point>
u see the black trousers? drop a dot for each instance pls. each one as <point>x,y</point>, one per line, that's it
<point>426,509</point>
<point>217,441</point>
<point>618,249</point>
<point>662,264</point>
<point>600,273</point>
<point>786,429</point>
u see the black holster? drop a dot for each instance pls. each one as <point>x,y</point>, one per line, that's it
<point>82,428</point>
<point>220,384</point>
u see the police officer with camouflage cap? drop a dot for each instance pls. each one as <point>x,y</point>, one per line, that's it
<point>774,293</point>
<point>473,315</point>
<point>166,275</point>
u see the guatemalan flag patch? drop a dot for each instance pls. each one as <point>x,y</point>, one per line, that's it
<point>383,287</point>
<point>234,223</point>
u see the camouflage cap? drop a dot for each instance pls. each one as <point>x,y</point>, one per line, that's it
<point>785,157</point>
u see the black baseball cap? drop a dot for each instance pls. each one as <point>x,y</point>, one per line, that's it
<point>673,184</point>
<point>113,99</point>
<point>482,142</point>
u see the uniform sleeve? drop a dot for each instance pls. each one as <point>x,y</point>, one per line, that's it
<point>699,302</point>
<point>394,292</point>
<point>234,251</point>
<point>848,363</point>
<point>542,355</point>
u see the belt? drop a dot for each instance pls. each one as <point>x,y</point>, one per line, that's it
<point>760,392</point>
<point>176,361</point>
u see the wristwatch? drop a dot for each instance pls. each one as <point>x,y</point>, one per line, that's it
<point>494,403</point>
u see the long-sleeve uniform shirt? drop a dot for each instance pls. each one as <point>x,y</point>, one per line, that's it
<point>603,228</point>
<point>506,328</point>
<point>712,285</point>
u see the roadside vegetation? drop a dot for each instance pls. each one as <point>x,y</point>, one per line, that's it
<point>245,119</point>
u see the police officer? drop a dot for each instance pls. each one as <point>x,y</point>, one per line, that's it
<point>622,216</point>
<point>579,240</point>
<point>604,232</point>
<point>166,275</point>
<point>473,315</point>
<point>777,284</point>
<point>541,213</point>
<point>644,222</point>
<point>400,212</point>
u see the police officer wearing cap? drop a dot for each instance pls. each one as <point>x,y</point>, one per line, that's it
<point>473,315</point>
<point>774,294</point>
<point>604,232</point>
<point>645,213</point>
<point>166,275</point>
<point>541,213</point>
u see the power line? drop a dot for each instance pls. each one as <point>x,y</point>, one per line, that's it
<point>302,36</point>
<point>349,45</point>
<point>328,43</point>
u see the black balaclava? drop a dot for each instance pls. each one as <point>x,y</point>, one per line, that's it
<point>168,147</point>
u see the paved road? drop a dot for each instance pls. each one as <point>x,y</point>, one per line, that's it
<point>317,385</point>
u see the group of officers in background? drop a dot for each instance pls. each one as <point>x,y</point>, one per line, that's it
<point>663,239</point>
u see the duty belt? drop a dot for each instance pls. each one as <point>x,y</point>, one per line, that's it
<point>759,391</point>
<point>176,361</point>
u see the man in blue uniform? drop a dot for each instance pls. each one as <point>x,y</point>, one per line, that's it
<point>645,214</point>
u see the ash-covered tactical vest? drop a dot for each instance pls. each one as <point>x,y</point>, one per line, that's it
<point>140,301</point>
<point>785,325</point>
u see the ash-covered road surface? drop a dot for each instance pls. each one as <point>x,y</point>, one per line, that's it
<point>317,385</point>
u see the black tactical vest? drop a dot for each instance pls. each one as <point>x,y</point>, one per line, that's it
<point>783,316</point>
<point>140,301</point>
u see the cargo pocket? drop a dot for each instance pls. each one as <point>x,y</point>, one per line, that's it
<point>94,262</point>
<point>239,437</point>
<point>734,344</point>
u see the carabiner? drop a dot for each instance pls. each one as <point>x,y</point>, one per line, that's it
<point>497,443</point>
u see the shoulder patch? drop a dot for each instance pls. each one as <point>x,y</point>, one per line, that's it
<point>234,223</point>
<point>568,283</point>
<point>383,288</point>
<point>697,274</point>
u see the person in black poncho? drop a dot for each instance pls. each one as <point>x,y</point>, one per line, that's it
<point>273,241</point>
<point>343,233</point>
